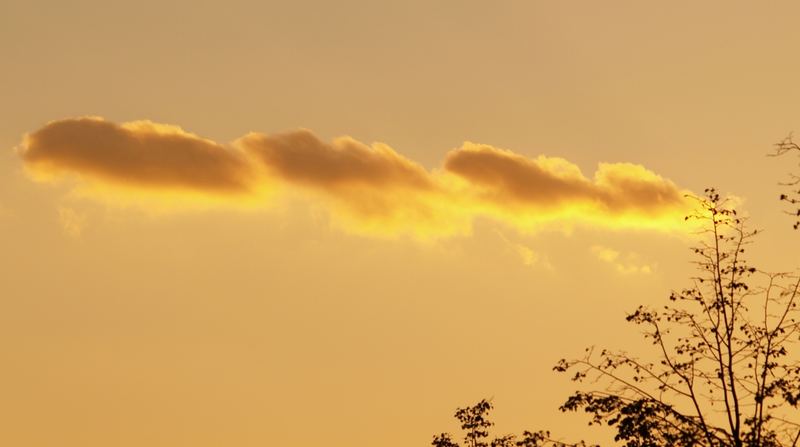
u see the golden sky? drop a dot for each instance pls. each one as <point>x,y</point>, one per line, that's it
<point>331,223</point>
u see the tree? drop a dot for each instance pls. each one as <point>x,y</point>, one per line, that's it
<point>475,424</point>
<point>720,374</point>
<point>793,196</point>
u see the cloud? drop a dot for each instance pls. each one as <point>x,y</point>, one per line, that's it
<point>551,188</point>
<point>527,255</point>
<point>139,154</point>
<point>370,189</point>
<point>502,175</point>
<point>71,221</point>
<point>627,264</point>
<point>366,188</point>
<point>300,157</point>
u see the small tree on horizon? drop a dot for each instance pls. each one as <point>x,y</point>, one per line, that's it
<point>475,424</point>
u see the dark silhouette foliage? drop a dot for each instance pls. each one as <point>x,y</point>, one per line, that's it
<point>792,197</point>
<point>475,424</point>
<point>720,372</point>
<point>721,375</point>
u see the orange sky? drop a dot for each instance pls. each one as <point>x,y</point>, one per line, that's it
<point>331,223</point>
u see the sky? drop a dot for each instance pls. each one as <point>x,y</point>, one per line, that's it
<point>332,223</point>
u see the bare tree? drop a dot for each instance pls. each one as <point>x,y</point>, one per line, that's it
<point>721,374</point>
<point>793,195</point>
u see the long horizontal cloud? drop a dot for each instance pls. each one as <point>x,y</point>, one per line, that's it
<point>367,188</point>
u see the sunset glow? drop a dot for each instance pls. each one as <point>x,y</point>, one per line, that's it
<point>317,223</point>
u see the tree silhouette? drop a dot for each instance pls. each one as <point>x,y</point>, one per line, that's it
<point>720,374</point>
<point>793,196</point>
<point>475,424</point>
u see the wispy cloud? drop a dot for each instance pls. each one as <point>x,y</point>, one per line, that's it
<point>526,254</point>
<point>627,264</point>
<point>367,188</point>
<point>72,222</point>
